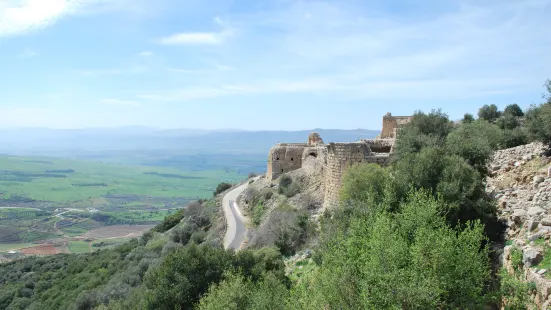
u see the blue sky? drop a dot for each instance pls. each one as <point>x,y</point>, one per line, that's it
<point>277,64</point>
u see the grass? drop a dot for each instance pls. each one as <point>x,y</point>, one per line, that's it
<point>108,243</point>
<point>301,269</point>
<point>32,178</point>
<point>78,247</point>
<point>14,246</point>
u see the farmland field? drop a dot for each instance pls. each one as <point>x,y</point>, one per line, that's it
<point>45,201</point>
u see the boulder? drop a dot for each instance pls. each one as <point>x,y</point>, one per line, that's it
<point>533,224</point>
<point>531,257</point>
<point>546,221</point>
<point>518,215</point>
<point>538,179</point>
<point>534,211</point>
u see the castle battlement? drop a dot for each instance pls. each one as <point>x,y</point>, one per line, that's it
<point>336,156</point>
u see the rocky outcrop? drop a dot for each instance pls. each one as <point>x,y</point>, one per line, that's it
<point>520,184</point>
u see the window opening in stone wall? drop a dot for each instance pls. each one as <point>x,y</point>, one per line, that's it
<point>380,149</point>
<point>292,158</point>
<point>313,155</point>
<point>277,158</point>
<point>281,170</point>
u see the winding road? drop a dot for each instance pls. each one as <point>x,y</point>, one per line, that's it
<point>235,222</point>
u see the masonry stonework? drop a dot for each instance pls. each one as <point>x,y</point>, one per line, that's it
<point>337,157</point>
<point>391,124</point>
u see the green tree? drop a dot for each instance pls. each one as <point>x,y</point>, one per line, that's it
<point>364,183</point>
<point>475,142</point>
<point>538,122</point>
<point>468,118</point>
<point>222,187</point>
<point>424,130</point>
<point>237,292</point>
<point>489,112</point>
<point>508,121</point>
<point>184,276</point>
<point>513,110</point>
<point>409,260</point>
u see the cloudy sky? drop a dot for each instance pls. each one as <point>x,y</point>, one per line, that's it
<point>267,64</point>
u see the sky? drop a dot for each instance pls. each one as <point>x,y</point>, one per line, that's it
<point>266,64</point>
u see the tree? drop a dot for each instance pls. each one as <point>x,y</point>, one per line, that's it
<point>547,96</point>
<point>222,187</point>
<point>508,121</point>
<point>237,292</point>
<point>364,183</point>
<point>424,130</point>
<point>468,118</point>
<point>538,122</point>
<point>489,113</point>
<point>408,260</point>
<point>513,110</point>
<point>475,142</point>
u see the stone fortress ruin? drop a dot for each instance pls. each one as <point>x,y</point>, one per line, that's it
<point>335,157</point>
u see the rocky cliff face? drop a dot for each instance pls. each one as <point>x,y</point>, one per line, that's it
<point>522,187</point>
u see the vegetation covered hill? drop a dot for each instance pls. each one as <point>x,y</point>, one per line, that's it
<point>415,235</point>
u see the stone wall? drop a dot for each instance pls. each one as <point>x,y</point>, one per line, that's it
<point>335,157</point>
<point>283,159</point>
<point>391,124</point>
<point>340,156</point>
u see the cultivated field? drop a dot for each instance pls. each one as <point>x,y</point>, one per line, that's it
<point>120,231</point>
<point>45,200</point>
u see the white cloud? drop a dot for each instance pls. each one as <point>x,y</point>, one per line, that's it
<point>19,16</point>
<point>194,38</point>
<point>27,53</point>
<point>120,102</point>
<point>199,38</point>
<point>146,54</point>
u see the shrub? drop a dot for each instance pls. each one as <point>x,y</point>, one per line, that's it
<point>198,237</point>
<point>513,110</point>
<point>508,121</point>
<point>169,221</point>
<point>538,122</point>
<point>286,228</point>
<point>252,175</point>
<point>288,187</point>
<point>222,187</point>
<point>183,234</point>
<point>251,196</point>
<point>489,113</point>
<point>364,183</point>
<point>515,137</point>
<point>285,181</point>
<point>468,118</point>
<point>258,214</point>
<point>267,194</point>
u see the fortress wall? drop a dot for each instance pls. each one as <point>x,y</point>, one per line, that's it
<point>340,156</point>
<point>391,123</point>
<point>283,159</point>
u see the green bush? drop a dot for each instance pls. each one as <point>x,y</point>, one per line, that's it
<point>515,137</point>
<point>222,187</point>
<point>409,260</point>
<point>289,187</point>
<point>169,221</point>
<point>513,110</point>
<point>468,118</point>
<point>538,122</point>
<point>258,214</point>
<point>489,113</point>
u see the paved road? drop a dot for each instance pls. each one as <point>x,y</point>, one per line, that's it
<point>235,222</point>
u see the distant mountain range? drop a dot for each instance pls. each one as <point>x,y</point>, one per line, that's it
<point>38,140</point>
